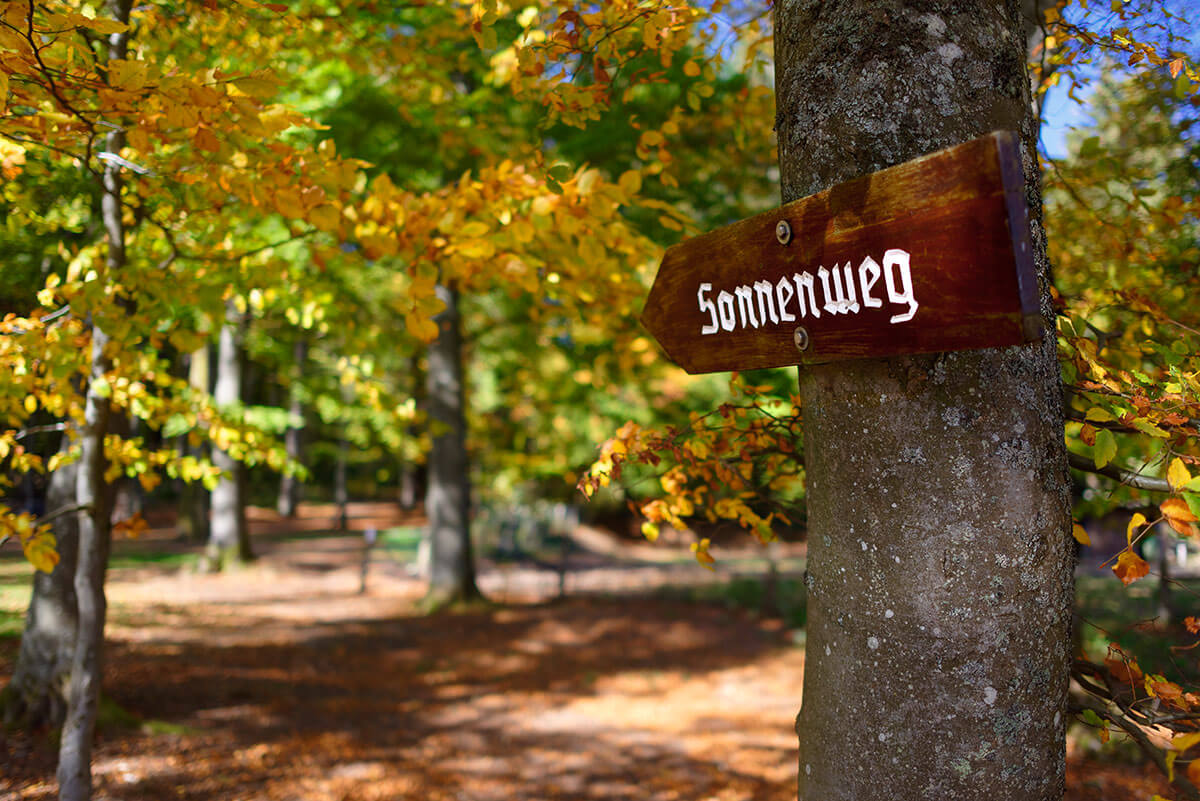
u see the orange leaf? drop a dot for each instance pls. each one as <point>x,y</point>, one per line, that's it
<point>205,139</point>
<point>1130,567</point>
<point>1088,434</point>
<point>1126,672</point>
<point>1080,534</point>
<point>1179,516</point>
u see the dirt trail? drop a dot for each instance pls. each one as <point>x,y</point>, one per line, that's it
<point>280,682</point>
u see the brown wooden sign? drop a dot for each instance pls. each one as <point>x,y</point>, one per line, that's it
<point>930,255</point>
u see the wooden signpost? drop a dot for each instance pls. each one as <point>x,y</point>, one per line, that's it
<point>930,255</point>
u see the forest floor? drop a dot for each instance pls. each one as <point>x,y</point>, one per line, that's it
<point>281,681</point>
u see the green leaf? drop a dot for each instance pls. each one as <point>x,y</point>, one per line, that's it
<point>1090,147</point>
<point>176,425</point>
<point>1091,718</point>
<point>1182,86</point>
<point>102,388</point>
<point>1105,448</point>
<point>1146,427</point>
<point>1193,501</point>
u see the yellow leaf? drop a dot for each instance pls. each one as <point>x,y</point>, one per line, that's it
<point>1135,522</point>
<point>650,531</point>
<point>104,26</point>
<point>1130,567</point>
<point>40,550</point>
<point>630,182</point>
<point>30,404</point>
<point>478,249</point>
<point>126,74</point>
<point>1098,415</point>
<point>1177,474</point>
<point>1081,535</point>
<point>325,217</point>
<point>3,91</point>
<point>422,328</point>
<point>691,69</point>
<point>473,230</point>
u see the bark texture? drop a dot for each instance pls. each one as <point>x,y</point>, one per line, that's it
<point>448,500</point>
<point>36,696</point>
<point>228,534</point>
<point>940,571</point>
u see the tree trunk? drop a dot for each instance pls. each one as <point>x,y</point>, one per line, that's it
<point>448,499</point>
<point>36,697</point>
<point>91,494</point>
<point>192,522</point>
<point>293,440</point>
<point>939,577</point>
<point>228,535</point>
<point>341,492</point>
<point>409,477</point>
<point>1164,616</point>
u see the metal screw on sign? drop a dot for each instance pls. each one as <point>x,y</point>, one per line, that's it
<point>801,338</point>
<point>783,232</point>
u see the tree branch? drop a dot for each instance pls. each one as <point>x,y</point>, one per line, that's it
<point>1179,780</point>
<point>1127,477</point>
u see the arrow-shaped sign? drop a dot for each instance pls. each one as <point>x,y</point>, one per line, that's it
<point>930,255</point>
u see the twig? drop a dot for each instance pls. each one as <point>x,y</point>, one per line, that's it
<point>1127,477</point>
<point>46,520</point>
<point>1185,787</point>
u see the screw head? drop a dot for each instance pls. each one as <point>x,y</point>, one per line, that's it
<point>801,338</point>
<point>783,232</point>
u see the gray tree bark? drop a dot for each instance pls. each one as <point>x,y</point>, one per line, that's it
<point>36,696</point>
<point>91,494</point>
<point>228,533</point>
<point>940,572</point>
<point>448,498</point>
<point>290,485</point>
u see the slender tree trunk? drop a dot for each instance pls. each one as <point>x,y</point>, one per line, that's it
<point>341,492</point>
<point>290,485</point>
<point>448,500</point>
<point>1165,615</point>
<point>228,535</point>
<point>409,478</point>
<point>940,569</point>
<point>95,531</point>
<point>193,496</point>
<point>36,695</point>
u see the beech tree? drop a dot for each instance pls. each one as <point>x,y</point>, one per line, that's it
<point>904,593</point>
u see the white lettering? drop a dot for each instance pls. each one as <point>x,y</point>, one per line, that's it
<point>869,267</point>
<point>725,307</point>
<point>904,294</point>
<point>764,303</point>
<point>745,297</point>
<point>782,288</point>
<point>764,291</point>
<point>707,305</point>
<point>804,283</point>
<point>841,299</point>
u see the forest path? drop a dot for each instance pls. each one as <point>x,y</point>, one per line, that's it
<point>282,682</point>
